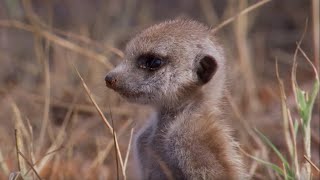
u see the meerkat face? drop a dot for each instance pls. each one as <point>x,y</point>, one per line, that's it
<point>165,64</point>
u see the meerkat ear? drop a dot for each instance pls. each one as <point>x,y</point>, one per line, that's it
<point>207,67</point>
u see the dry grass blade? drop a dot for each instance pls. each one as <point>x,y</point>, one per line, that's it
<point>294,140</point>
<point>316,31</point>
<point>104,119</point>
<point>21,134</point>
<point>104,153</point>
<point>313,165</point>
<point>57,144</point>
<point>19,144</point>
<point>89,41</point>
<point>245,11</point>
<point>3,165</point>
<point>128,150</point>
<point>18,120</point>
<point>31,144</point>
<point>30,164</point>
<point>310,62</point>
<point>37,21</point>
<point>288,129</point>
<point>15,176</point>
<point>59,41</point>
<point>116,148</point>
<point>241,29</point>
<point>254,165</point>
<point>245,124</point>
<point>284,108</point>
<point>304,106</point>
<point>248,129</point>
<point>39,51</point>
<point>208,11</point>
<point>40,164</point>
<point>93,101</point>
<point>294,66</point>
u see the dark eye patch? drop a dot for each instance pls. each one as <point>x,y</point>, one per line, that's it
<point>150,62</point>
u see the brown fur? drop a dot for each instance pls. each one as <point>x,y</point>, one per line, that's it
<point>186,138</point>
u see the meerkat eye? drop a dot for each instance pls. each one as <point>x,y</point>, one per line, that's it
<point>150,62</point>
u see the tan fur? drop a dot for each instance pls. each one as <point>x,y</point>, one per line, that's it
<point>186,138</point>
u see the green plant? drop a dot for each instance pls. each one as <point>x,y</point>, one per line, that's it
<point>291,169</point>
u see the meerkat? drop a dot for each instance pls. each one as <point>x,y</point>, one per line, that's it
<point>178,68</point>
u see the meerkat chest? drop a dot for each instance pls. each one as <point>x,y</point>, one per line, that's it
<point>156,156</point>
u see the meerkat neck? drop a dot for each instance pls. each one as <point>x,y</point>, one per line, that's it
<point>168,114</point>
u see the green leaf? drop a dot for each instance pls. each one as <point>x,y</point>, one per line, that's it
<point>275,149</point>
<point>314,93</point>
<point>296,127</point>
<point>301,98</point>
<point>271,165</point>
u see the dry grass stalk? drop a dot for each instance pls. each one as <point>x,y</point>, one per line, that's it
<point>235,109</point>
<point>128,150</point>
<point>41,56</point>
<point>262,148</point>
<point>288,129</point>
<point>102,155</point>
<point>243,12</point>
<point>313,165</point>
<point>208,11</point>
<point>89,41</point>
<point>22,165</point>
<point>21,134</point>
<point>59,41</point>
<point>118,154</point>
<point>241,29</point>
<point>93,101</point>
<point>37,21</point>
<point>3,164</point>
<point>254,165</point>
<point>306,168</point>
<point>57,144</point>
<point>65,105</point>
<point>316,31</point>
<point>30,165</point>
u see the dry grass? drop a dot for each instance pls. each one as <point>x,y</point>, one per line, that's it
<point>53,96</point>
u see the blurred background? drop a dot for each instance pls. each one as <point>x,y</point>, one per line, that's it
<point>59,131</point>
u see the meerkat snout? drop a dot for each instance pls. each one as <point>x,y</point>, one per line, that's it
<point>110,81</point>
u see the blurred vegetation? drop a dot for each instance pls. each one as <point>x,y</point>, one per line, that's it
<point>59,131</point>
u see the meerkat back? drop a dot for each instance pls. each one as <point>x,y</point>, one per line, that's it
<point>178,68</point>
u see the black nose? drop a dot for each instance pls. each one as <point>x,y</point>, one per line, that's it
<point>110,81</point>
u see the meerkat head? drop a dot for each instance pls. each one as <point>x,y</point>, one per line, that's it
<point>169,63</point>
